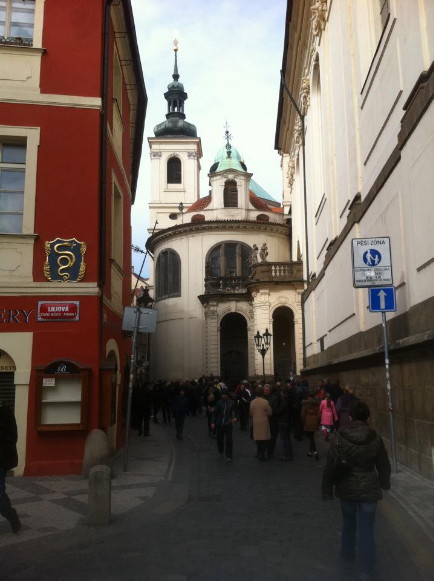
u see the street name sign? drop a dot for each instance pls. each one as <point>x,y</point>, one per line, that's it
<point>382,299</point>
<point>372,265</point>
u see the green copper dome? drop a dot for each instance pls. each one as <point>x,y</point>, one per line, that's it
<point>222,161</point>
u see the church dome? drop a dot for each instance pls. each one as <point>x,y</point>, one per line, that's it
<point>222,161</point>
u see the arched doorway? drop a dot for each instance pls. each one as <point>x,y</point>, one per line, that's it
<point>7,380</point>
<point>233,349</point>
<point>284,344</point>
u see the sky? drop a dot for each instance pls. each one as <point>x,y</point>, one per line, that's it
<point>229,60</point>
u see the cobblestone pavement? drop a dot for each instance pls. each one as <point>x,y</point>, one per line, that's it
<point>182,513</point>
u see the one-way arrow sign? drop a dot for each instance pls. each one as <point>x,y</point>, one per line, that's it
<point>382,299</point>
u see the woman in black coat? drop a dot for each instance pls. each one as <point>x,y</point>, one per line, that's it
<point>359,489</point>
<point>8,460</point>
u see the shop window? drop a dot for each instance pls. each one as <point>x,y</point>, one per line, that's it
<point>17,22</point>
<point>174,173</point>
<point>168,275</point>
<point>12,179</point>
<point>7,388</point>
<point>62,396</point>
<point>230,194</point>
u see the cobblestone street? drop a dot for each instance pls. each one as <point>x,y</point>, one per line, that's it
<point>182,513</point>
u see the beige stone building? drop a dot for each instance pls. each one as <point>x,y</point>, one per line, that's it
<point>223,265</point>
<point>357,105</point>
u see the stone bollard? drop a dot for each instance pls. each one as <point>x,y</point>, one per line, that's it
<point>96,451</point>
<point>99,507</point>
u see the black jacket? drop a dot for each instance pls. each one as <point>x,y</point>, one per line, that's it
<point>369,465</point>
<point>8,438</point>
<point>224,412</point>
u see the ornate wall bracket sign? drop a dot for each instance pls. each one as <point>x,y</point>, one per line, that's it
<point>65,260</point>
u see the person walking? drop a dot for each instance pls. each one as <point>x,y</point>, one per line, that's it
<point>284,422</point>
<point>8,460</point>
<point>180,410</point>
<point>224,415</point>
<point>343,406</point>
<point>243,396</point>
<point>310,421</point>
<point>328,416</point>
<point>359,490</point>
<point>272,395</point>
<point>260,411</point>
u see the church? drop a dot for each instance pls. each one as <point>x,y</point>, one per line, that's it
<point>224,274</point>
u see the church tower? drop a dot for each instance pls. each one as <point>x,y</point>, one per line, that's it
<point>175,159</point>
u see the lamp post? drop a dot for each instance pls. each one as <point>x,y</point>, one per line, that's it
<point>262,343</point>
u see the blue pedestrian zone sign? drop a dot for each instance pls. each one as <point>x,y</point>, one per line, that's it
<point>382,299</point>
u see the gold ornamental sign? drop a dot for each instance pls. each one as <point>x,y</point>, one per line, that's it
<point>65,260</point>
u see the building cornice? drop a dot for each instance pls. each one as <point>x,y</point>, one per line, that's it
<point>212,226</point>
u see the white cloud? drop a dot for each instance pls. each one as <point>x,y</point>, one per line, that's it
<point>230,54</point>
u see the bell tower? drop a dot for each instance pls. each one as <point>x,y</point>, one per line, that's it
<point>175,159</point>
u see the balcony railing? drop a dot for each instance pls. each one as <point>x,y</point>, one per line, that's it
<point>278,271</point>
<point>226,285</point>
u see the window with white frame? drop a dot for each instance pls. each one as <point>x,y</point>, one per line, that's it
<point>12,180</point>
<point>17,22</point>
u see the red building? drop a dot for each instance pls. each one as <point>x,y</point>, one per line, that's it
<point>72,109</point>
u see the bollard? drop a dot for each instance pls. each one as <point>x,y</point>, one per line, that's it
<point>99,507</point>
<point>96,451</point>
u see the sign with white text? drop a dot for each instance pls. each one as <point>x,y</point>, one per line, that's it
<point>372,264</point>
<point>58,311</point>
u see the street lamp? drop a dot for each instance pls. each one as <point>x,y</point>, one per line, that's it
<point>262,343</point>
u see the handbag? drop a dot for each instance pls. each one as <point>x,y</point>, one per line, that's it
<point>341,467</point>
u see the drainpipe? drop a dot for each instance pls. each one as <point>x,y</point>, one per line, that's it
<point>306,235</point>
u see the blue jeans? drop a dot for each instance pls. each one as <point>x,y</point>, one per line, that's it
<point>285,437</point>
<point>358,516</point>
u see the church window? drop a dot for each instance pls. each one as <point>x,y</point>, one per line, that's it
<point>230,259</point>
<point>168,275</point>
<point>174,170</point>
<point>230,194</point>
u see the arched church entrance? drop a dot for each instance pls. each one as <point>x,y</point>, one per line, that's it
<point>7,380</point>
<point>283,343</point>
<point>233,349</point>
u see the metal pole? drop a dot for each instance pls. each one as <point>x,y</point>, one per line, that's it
<point>130,389</point>
<point>389,393</point>
<point>263,363</point>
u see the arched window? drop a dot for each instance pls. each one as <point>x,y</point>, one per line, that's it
<point>174,170</point>
<point>230,194</point>
<point>168,275</point>
<point>230,259</point>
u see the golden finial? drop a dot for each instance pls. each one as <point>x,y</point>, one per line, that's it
<point>175,45</point>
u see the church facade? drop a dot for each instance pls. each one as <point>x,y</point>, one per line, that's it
<point>224,270</point>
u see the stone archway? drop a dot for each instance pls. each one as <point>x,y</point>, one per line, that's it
<point>284,348</point>
<point>234,361</point>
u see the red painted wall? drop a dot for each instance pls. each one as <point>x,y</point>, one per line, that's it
<point>72,37</point>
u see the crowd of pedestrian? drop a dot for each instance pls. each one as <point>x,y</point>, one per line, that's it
<point>279,411</point>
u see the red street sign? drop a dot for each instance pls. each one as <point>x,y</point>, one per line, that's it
<point>58,311</point>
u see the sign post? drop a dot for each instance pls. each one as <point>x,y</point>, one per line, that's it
<point>389,392</point>
<point>372,269</point>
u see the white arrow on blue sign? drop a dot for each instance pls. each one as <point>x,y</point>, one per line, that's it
<point>382,299</point>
